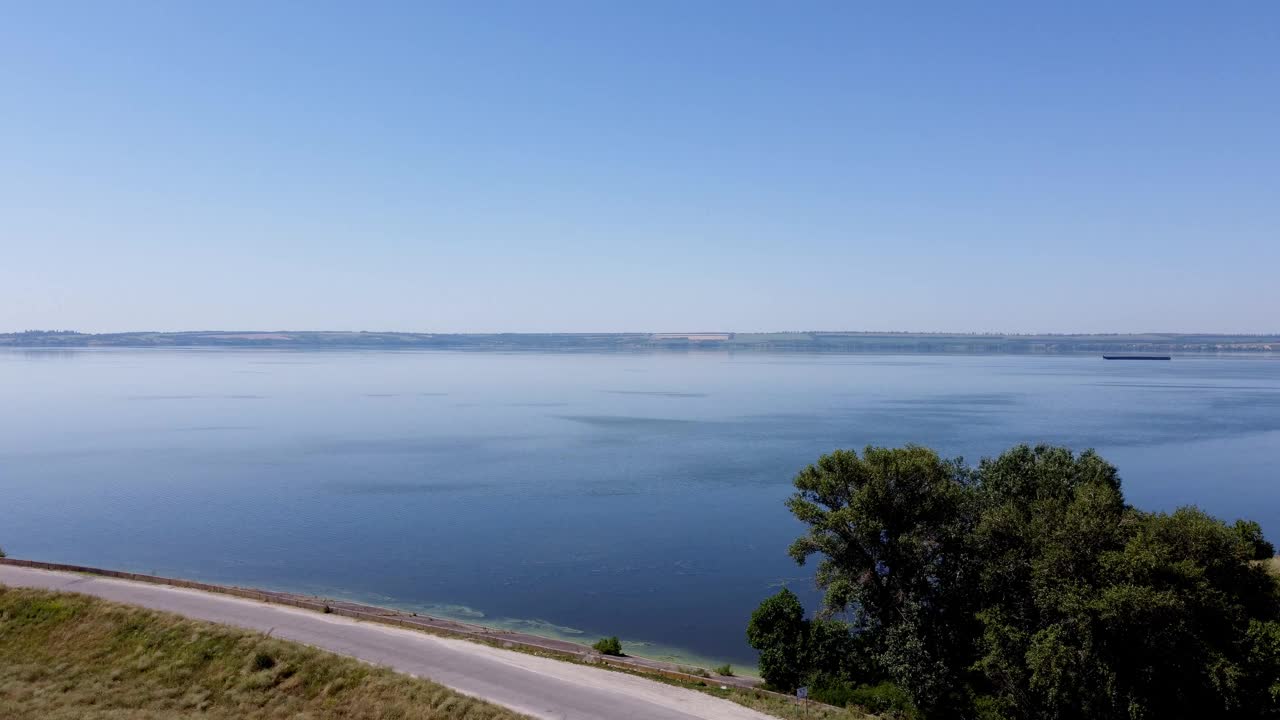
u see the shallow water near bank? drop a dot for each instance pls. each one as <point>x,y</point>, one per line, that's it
<point>573,494</point>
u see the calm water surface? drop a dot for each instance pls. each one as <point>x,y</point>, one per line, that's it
<point>570,494</point>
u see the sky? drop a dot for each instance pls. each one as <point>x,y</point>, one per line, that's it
<point>640,166</point>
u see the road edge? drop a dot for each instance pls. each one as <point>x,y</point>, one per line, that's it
<point>505,639</point>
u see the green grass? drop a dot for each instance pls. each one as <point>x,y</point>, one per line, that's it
<point>66,656</point>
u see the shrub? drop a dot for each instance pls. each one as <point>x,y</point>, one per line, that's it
<point>327,609</point>
<point>609,646</point>
<point>263,661</point>
<point>831,691</point>
<point>778,629</point>
<point>2,553</point>
<point>884,699</point>
<point>725,670</point>
<point>795,651</point>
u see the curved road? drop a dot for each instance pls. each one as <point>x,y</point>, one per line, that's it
<point>536,686</point>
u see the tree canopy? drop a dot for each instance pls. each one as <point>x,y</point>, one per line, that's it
<point>1025,587</point>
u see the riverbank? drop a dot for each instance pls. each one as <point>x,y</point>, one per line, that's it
<point>541,684</point>
<point>498,637</point>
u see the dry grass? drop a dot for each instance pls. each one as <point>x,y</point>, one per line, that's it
<point>66,656</point>
<point>777,707</point>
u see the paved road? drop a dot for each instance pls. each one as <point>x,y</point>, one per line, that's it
<point>535,686</point>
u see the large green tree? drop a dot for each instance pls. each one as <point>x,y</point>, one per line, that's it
<point>1027,588</point>
<point>891,528</point>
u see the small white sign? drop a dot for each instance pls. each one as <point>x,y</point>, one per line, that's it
<point>802,693</point>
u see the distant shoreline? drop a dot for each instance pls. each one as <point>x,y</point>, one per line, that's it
<point>809,342</point>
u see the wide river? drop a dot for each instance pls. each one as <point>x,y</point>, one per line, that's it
<point>571,494</point>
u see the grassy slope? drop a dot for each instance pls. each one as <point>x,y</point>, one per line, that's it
<point>780,708</point>
<point>73,656</point>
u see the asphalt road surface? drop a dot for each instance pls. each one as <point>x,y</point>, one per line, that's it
<point>535,686</point>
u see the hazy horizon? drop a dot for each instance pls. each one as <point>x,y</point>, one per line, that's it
<point>667,331</point>
<point>573,167</point>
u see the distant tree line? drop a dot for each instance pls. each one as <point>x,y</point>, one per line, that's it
<point>907,342</point>
<point>1023,588</point>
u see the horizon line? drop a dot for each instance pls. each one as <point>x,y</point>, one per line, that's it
<point>641,332</point>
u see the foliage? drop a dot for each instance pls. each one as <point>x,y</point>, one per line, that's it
<point>1024,588</point>
<point>891,528</point>
<point>884,699</point>
<point>1251,533</point>
<point>609,646</point>
<point>2,553</point>
<point>73,656</point>
<point>1096,609</point>
<point>796,651</point>
<point>832,650</point>
<point>778,630</point>
<point>725,670</point>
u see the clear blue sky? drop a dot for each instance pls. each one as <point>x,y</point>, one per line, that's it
<point>552,166</point>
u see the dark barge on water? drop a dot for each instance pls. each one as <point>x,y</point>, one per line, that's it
<point>1137,357</point>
